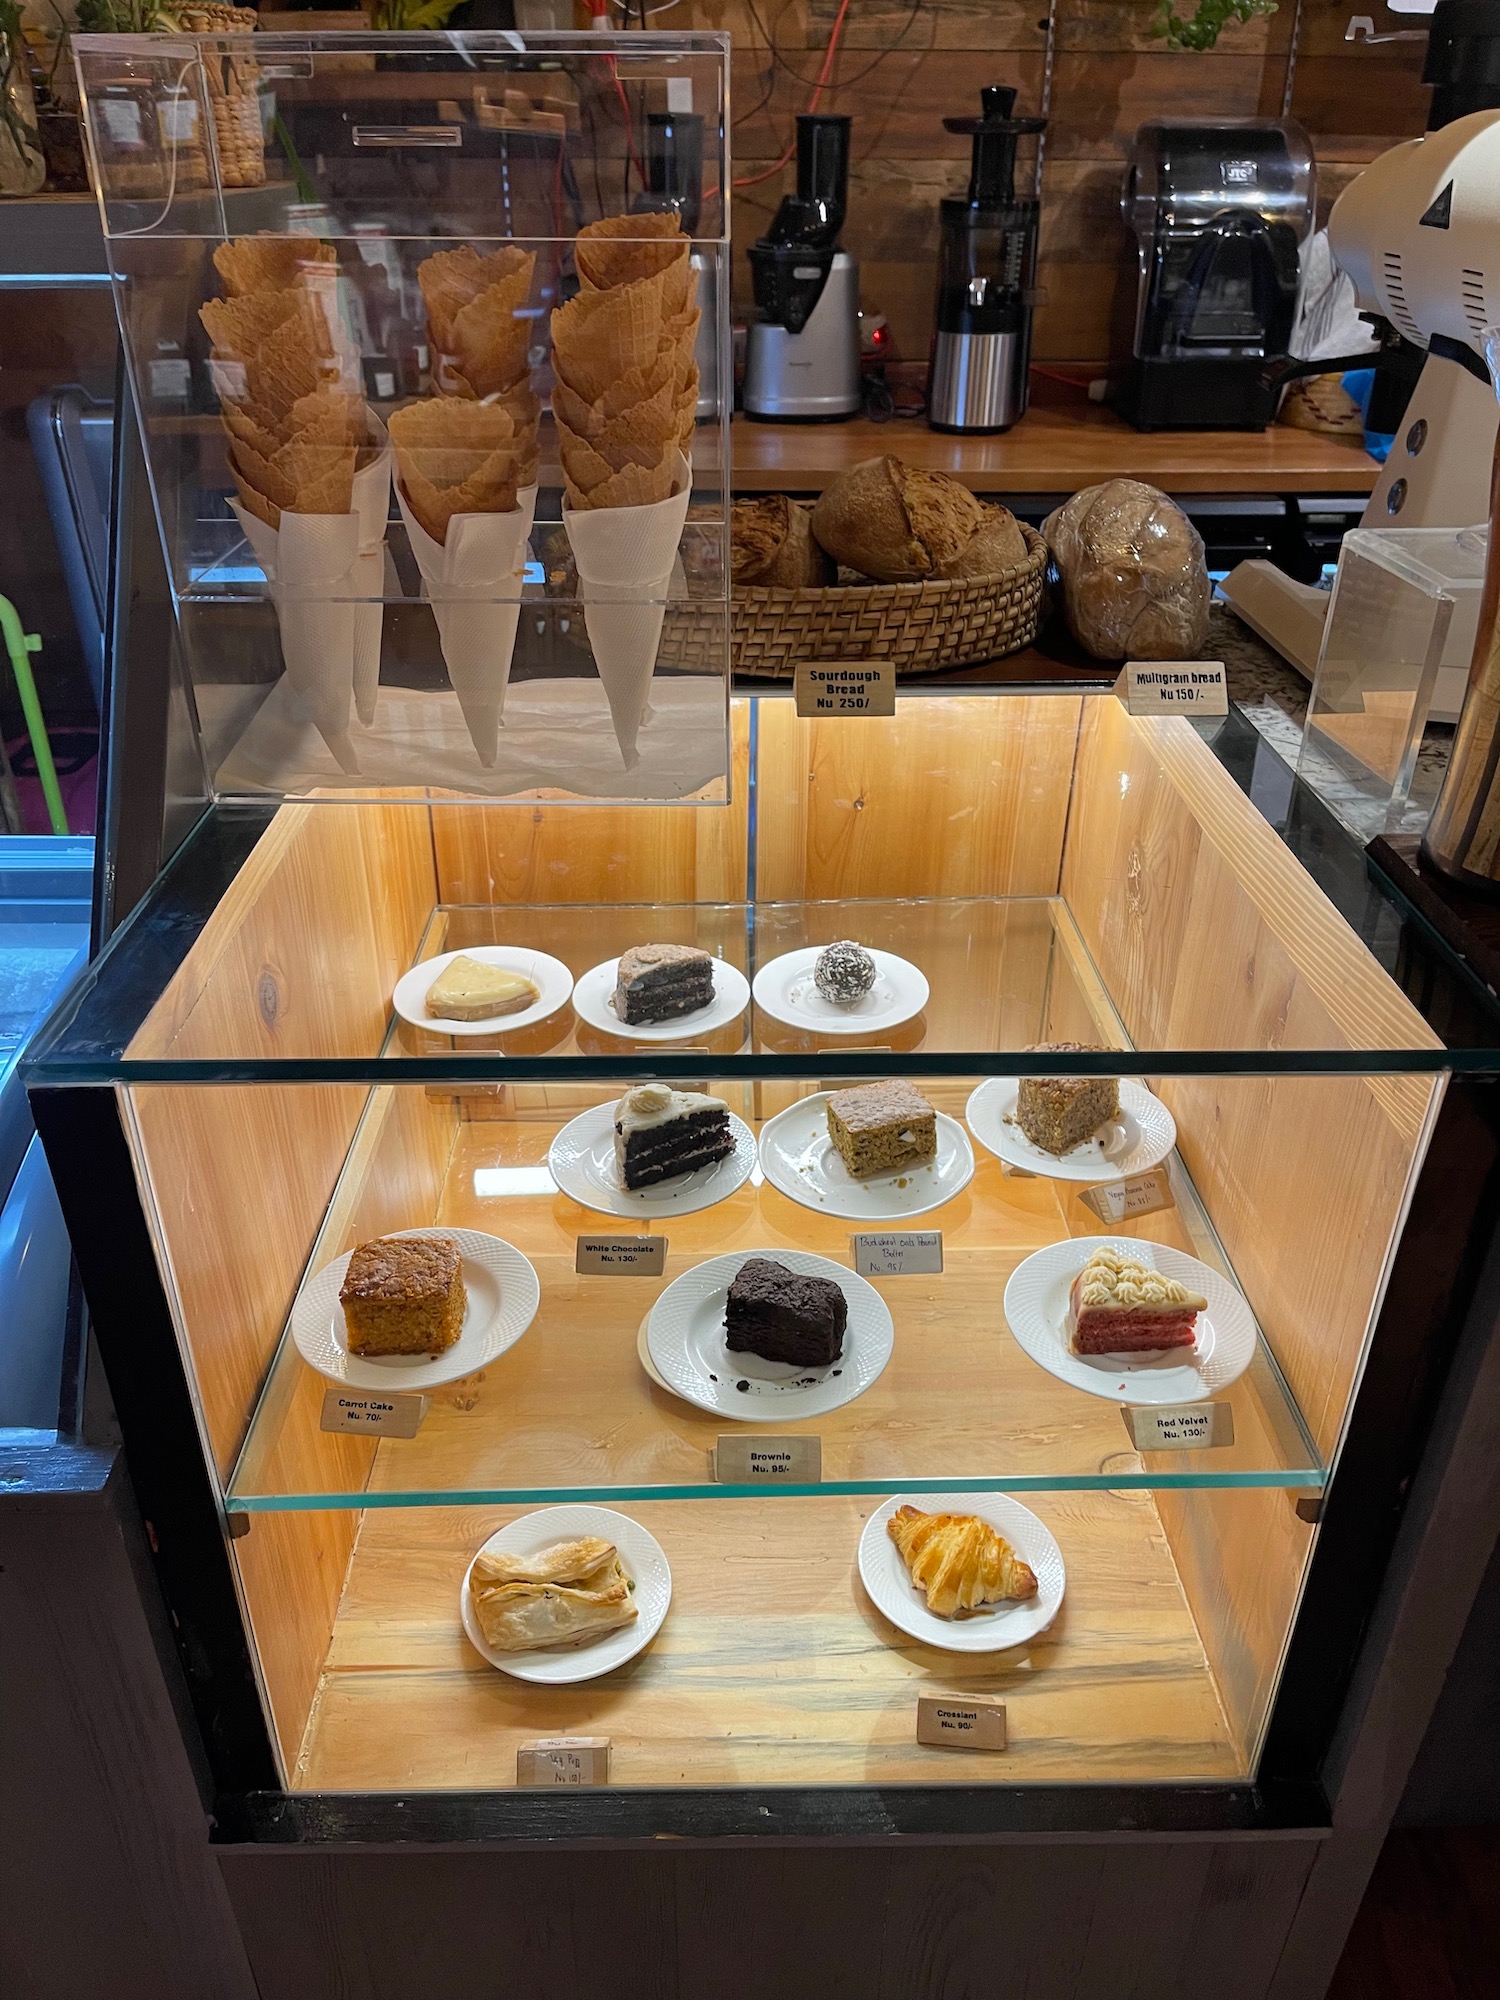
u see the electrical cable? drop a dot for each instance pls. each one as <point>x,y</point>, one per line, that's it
<point>830,54</point>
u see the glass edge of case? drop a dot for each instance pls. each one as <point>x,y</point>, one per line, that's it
<point>1311,1479</point>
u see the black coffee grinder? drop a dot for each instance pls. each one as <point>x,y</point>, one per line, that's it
<point>981,351</point>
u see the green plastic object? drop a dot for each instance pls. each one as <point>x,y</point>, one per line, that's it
<point>20,645</point>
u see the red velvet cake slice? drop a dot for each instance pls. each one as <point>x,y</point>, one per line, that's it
<point>1120,1306</point>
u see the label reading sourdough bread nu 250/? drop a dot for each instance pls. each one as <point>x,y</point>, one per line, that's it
<point>845,687</point>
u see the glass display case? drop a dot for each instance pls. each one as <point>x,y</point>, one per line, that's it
<point>352,269</point>
<point>251,1086</point>
<point>904,1299</point>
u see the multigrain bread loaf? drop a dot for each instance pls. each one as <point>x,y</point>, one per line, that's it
<point>1134,581</point>
<point>895,522</point>
<point>771,544</point>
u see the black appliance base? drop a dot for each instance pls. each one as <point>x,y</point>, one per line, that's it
<point>1161,394</point>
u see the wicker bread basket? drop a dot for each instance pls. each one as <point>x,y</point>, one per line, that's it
<point>923,627</point>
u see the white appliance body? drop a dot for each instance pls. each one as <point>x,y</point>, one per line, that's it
<point>1419,234</point>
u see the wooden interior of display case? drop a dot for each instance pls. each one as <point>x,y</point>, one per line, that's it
<point>1147,905</point>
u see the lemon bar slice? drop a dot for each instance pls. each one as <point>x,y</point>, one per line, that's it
<point>467,990</point>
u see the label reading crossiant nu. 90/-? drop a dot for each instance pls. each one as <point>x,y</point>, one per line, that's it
<point>846,687</point>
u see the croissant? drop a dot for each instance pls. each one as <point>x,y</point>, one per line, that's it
<point>959,1561</point>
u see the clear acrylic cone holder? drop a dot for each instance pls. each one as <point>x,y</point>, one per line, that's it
<point>349,653</point>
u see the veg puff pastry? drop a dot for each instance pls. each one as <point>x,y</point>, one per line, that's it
<point>562,1596</point>
<point>959,1561</point>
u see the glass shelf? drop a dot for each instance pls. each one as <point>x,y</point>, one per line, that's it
<point>570,1413</point>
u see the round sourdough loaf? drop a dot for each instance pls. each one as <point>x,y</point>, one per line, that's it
<point>771,544</point>
<point>895,522</point>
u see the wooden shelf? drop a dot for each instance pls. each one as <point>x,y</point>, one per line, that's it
<point>570,1412</point>
<point>1056,448</point>
<point>773,1666</point>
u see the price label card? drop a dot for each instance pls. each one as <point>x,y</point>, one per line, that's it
<point>899,1253</point>
<point>562,1760</point>
<point>1139,1194</point>
<point>395,1416</point>
<point>621,1256</point>
<point>846,687</point>
<point>768,1461</point>
<point>1174,687</point>
<point>960,1722</point>
<point>1180,1427</point>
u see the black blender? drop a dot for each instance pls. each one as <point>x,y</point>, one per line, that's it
<point>674,185</point>
<point>981,351</point>
<point>802,356</point>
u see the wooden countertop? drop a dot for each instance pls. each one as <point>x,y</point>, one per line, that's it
<point>1056,448</point>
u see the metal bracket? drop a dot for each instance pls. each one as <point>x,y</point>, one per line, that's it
<point>1309,1507</point>
<point>238,1525</point>
<point>1362,29</point>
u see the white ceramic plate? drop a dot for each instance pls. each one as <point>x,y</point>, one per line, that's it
<point>797,1156</point>
<point>784,989</point>
<point>1036,1309</point>
<point>1141,1137</point>
<point>582,1162</point>
<point>685,1337</point>
<point>887,1579</point>
<point>593,1001</point>
<point>503,1298</point>
<point>641,1557</point>
<point>550,975</point>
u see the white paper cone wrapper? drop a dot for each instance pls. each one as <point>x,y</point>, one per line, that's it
<point>372,503</point>
<point>474,582</point>
<point>309,567</point>
<point>625,558</point>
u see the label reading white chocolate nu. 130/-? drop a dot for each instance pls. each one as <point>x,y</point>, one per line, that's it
<point>620,1256</point>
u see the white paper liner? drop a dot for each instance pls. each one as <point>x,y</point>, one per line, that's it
<point>372,503</point>
<point>625,558</point>
<point>318,567</point>
<point>558,736</point>
<point>473,581</point>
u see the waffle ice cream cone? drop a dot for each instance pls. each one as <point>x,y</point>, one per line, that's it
<point>252,264</point>
<point>310,468</point>
<point>623,366</point>
<point>467,460</point>
<point>453,279</point>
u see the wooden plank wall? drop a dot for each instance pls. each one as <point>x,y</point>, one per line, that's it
<point>297,961</point>
<point>1110,74</point>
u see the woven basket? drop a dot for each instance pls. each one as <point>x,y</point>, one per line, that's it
<point>923,627</point>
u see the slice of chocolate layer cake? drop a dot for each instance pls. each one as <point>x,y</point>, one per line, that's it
<point>782,1316</point>
<point>660,1133</point>
<point>658,982</point>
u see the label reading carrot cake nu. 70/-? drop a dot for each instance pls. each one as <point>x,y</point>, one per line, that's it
<point>397,1415</point>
